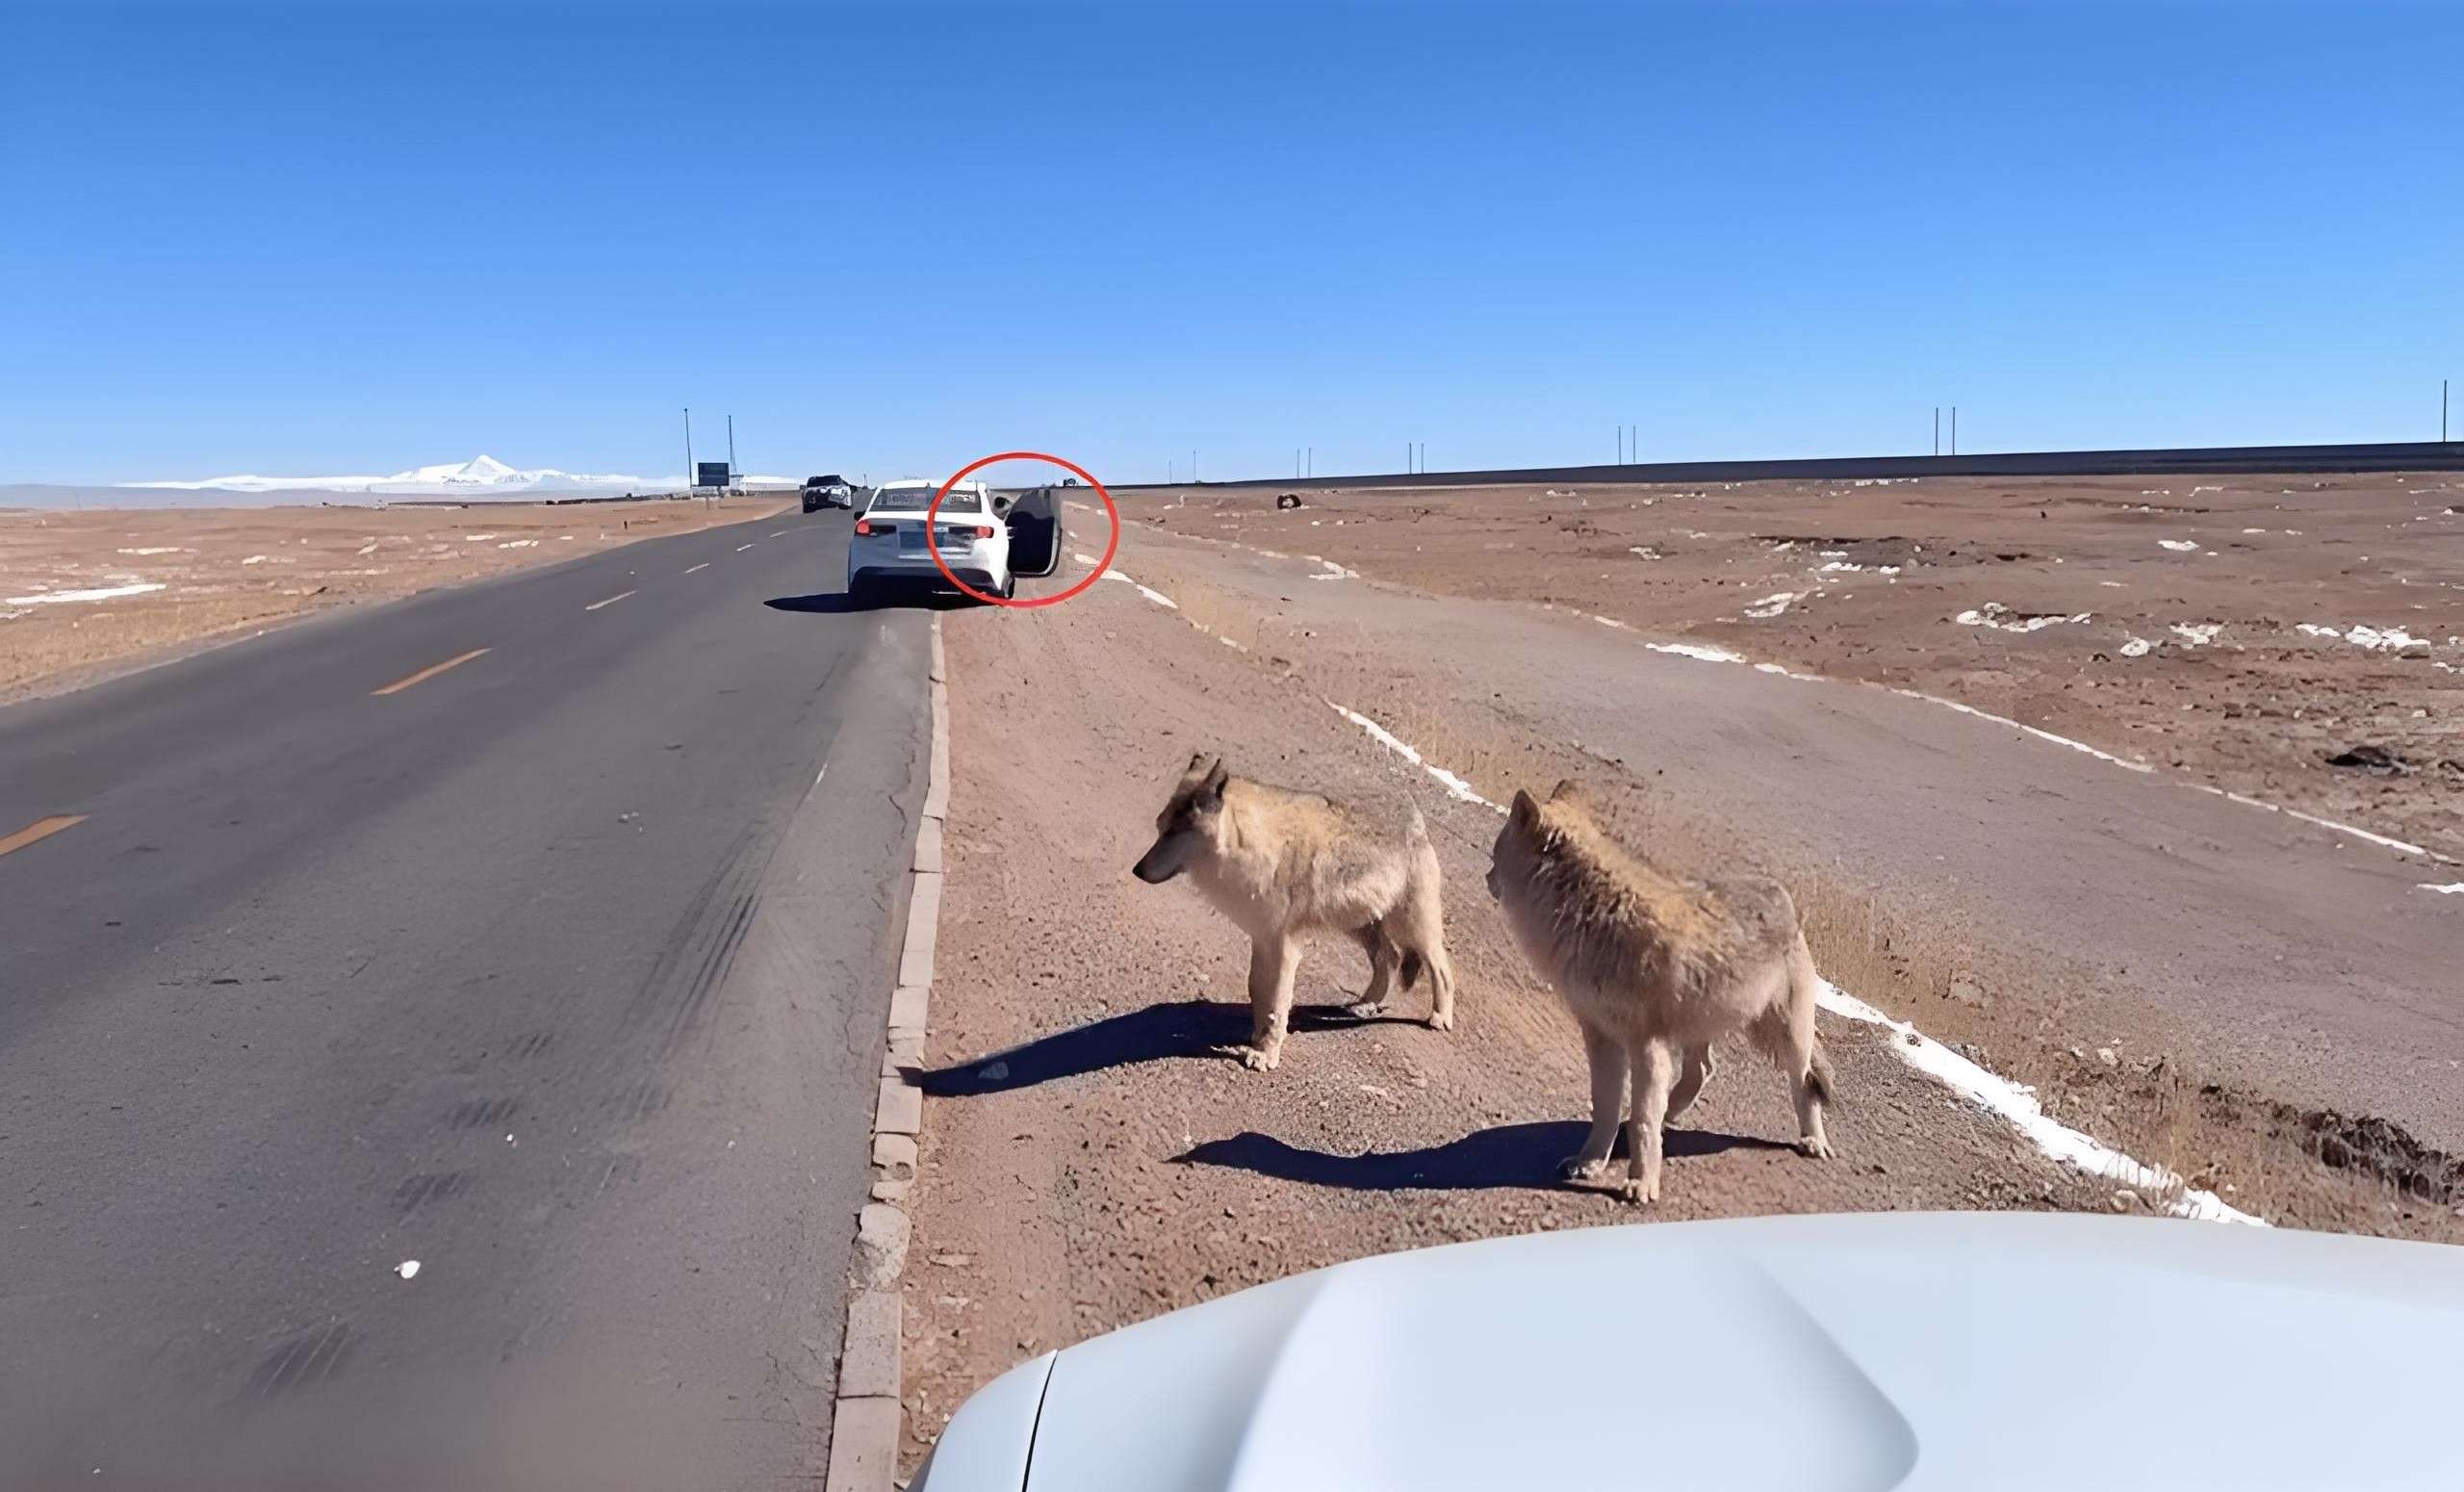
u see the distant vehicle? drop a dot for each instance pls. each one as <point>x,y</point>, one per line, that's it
<point>890,547</point>
<point>832,491</point>
<point>1760,1354</point>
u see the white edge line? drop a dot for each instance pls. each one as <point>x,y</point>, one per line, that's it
<point>2012,1102</point>
<point>2247,802</point>
<point>741,547</point>
<point>609,601</point>
<point>704,565</point>
<point>1384,737</point>
<point>2017,1105</point>
<point>1708,654</point>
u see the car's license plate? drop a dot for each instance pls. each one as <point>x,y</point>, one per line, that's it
<point>911,538</point>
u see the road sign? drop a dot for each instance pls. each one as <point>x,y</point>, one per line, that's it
<point>710,474</point>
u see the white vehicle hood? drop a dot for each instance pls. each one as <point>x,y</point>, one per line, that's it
<point>1776,1355</point>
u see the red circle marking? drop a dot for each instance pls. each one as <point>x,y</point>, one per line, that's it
<point>1110,547</point>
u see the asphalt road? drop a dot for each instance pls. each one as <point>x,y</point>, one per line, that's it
<point>561,971</point>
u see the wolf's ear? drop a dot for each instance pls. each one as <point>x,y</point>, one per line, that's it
<point>1569,790</point>
<point>1216,775</point>
<point>1526,809</point>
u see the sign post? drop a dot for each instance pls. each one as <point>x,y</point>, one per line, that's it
<point>708,474</point>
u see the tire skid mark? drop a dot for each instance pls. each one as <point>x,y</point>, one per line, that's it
<point>310,1357</point>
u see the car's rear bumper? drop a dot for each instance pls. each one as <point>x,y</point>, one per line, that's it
<point>925,574</point>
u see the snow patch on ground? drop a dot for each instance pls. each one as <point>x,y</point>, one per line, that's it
<point>2002,618</point>
<point>2196,634</point>
<point>2178,546</point>
<point>1774,604</point>
<point>2374,638</point>
<point>100,593</point>
<point>1700,651</point>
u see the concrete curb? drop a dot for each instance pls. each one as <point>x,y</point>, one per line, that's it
<point>864,1421</point>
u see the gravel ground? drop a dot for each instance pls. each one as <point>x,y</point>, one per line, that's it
<point>1088,1158</point>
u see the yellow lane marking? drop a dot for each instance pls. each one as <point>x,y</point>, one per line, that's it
<point>40,829</point>
<point>427,673</point>
<point>609,601</point>
<point>704,565</point>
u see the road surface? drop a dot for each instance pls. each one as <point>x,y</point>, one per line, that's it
<point>539,932</point>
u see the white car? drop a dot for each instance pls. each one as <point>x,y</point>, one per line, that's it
<point>1949,1352</point>
<point>889,547</point>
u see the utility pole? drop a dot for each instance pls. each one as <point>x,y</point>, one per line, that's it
<point>1192,468</point>
<point>732,472</point>
<point>2442,411</point>
<point>1937,429</point>
<point>1955,429</point>
<point>1311,467</point>
<point>688,451</point>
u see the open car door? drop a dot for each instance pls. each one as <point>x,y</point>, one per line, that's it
<point>1033,517</point>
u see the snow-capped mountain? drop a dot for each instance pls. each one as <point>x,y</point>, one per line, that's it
<point>481,476</point>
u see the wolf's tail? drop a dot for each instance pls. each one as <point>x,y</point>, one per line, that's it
<point>1818,1078</point>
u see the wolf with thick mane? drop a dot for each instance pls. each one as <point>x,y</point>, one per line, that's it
<point>1284,864</point>
<point>1657,970</point>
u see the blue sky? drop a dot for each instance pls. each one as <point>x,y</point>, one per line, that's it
<point>355,239</point>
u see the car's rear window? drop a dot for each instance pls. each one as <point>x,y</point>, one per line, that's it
<point>916,500</point>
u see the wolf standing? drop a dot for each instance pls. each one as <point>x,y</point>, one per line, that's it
<point>1284,864</point>
<point>1656,971</point>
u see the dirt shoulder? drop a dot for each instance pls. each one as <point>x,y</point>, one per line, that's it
<point>2244,629</point>
<point>1088,1161</point>
<point>85,595</point>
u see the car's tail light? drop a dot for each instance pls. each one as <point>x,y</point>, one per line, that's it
<point>863,525</point>
<point>984,530</point>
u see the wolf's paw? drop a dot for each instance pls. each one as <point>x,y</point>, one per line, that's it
<point>1636,1193</point>
<point>1815,1149</point>
<point>1259,1060</point>
<point>1577,1168</point>
<point>1441,1021</point>
<point>1365,1009</point>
